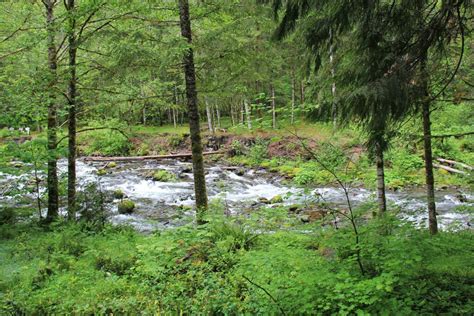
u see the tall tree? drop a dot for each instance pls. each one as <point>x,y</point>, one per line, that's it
<point>193,112</point>
<point>53,191</point>
<point>71,96</point>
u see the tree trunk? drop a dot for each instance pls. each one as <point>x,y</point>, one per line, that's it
<point>218,115</point>
<point>210,126</point>
<point>293,97</point>
<point>174,117</point>
<point>433,223</point>
<point>379,161</point>
<point>52,182</point>
<point>232,118</point>
<point>71,170</point>
<point>274,119</point>
<point>302,91</point>
<point>242,111</point>
<point>333,75</point>
<point>247,114</point>
<point>193,112</point>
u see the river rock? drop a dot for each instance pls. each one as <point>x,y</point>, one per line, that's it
<point>264,200</point>
<point>101,172</point>
<point>276,199</point>
<point>126,207</point>
<point>187,169</point>
<point>240,172</point>
<point>294,209</point>
<point>163,176</point>
<point>118,194</point>
<point>462,198</point>
<point>310,216</point>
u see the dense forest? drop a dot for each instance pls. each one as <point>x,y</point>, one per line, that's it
<point>236,157</point>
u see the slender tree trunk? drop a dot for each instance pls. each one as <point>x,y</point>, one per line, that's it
<point>379,161</point>
<point>247,114</point>
<point>242,111</point>
<point>432,221</point>
<point>232,118</point>
<point>293,96</point>
<point>210,126</point>
<point>274,119</point>
<point>174,117</point>
<point>218,115</point>
<point>53,192</point>
<point>302,91</point>
<point>333,75</point>
<point>144,115</point>
<point>193,112</point>
<point>71,183</point>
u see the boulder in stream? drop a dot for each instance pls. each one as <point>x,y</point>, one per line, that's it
<point>118,194</point>
<point>276,199</point>
<point>263,200</point>
<point>126,207</point>
<point>163,176</point>
<point>310,216</point>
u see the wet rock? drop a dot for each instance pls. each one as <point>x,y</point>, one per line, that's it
<point>462,198</point>
<point>126,207</point>
<point>101,172</point>
<point>264,200</point>
<point>276,199</point>
<point>187,169</point>
<point>240,172</point>
<point>112,164</point>
<point>163,176</point>
<point>294,209</point>
<point>310,216</point>
<point>118,194</point>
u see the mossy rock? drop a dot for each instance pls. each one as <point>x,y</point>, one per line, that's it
<point>263,200</point>
<point>276,199</point>
<point>101,172</point>
<point>112,164</point>
<point>118,194</point>
<point>163,176</point>
<point>126,207</point>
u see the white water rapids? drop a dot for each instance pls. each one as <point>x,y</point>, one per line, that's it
<point>164,204</point>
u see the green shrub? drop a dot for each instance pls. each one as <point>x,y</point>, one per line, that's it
<point>7,215</point>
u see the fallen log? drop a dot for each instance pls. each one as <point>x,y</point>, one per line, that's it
<point>156,157</point>
<point>452,162</point>
<point>449,169</point>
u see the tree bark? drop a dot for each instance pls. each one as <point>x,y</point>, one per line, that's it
<point>432,221</point>
<point>274,120</point>
<point>247,114</point>
<point>52,182</point>
<point>381,198</point>
<point>302,92</point>
<point>193,112</point>
<point>210,126</point>
<point>333,75</point>
<point>71,183</point>
<point>293,96</point>
<point>218,115</point>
